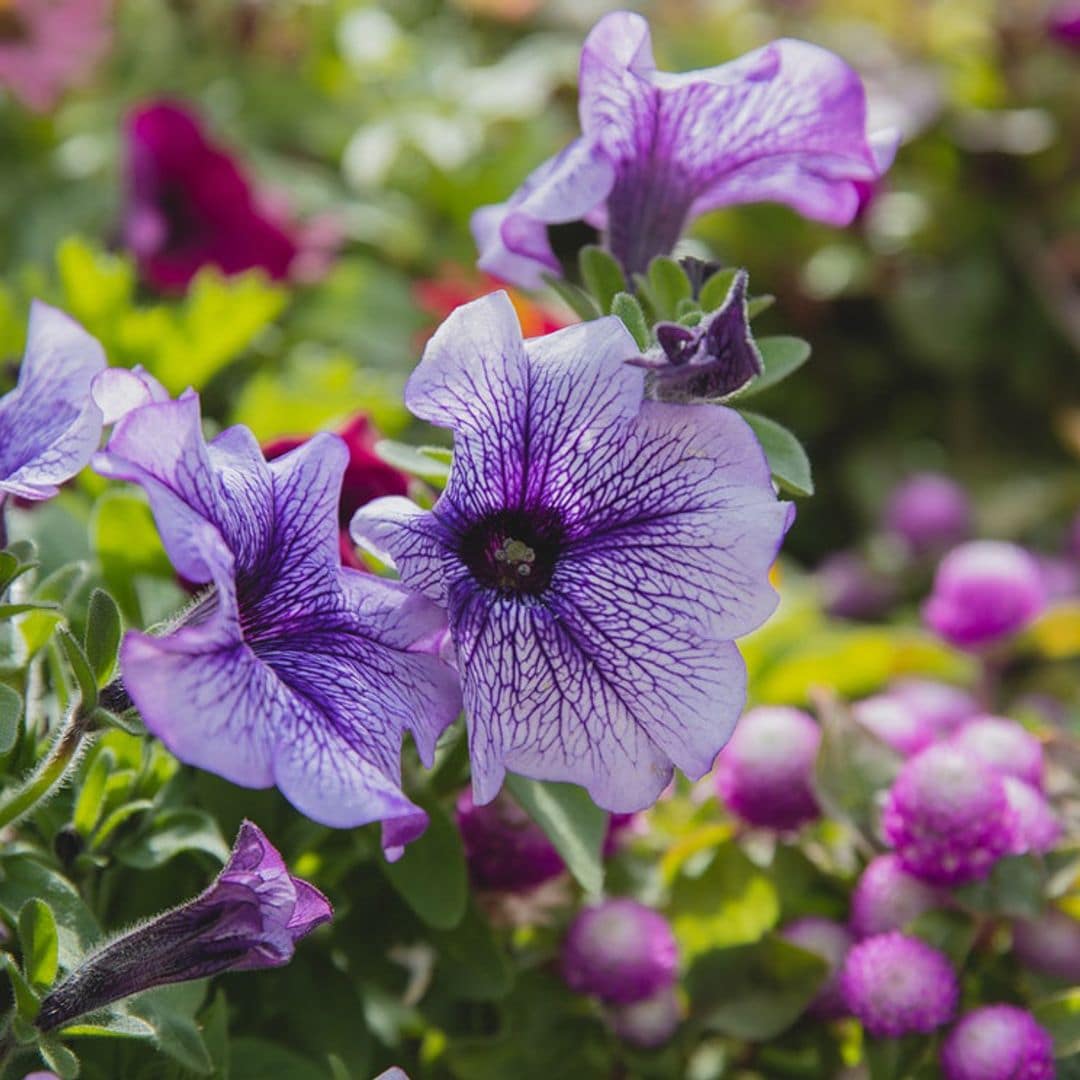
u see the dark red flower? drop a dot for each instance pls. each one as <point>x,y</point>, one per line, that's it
<point>190,205</point>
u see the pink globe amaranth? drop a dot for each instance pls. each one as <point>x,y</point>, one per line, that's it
<point>765,773</point>
<point>947,816</point>
<point>504,848</point>
<point>898,985</point>
<point>998,1042</point>
<point>619,951</point>
<point>888,897</point>
<point>1006,746</point>
<point>831,941</point>
<point>1036,828</point>
<point>1063,24</point>
<point>650,1022</point>
<point>940,705</point>
<point>895,723</point>
<point>929,513</point>
<point>983,592</point>
<point>1049,944</point>
<point>851,589</point>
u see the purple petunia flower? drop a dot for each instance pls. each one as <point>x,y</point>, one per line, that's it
<point>250,918</point>
<point>597,555</point>
<point>929,513</point>
<point>291,670</point>
<point>998,1042</point>
<point>831,941</point>
<point>888,897</point>
<point>1050,944</point>
<point>1006,746</point>
<point>189,204</point>
<point>620,951</point>
<point>50,424</point>
<point>786,123</point>
<point>708,361</point>
<point>898,985</point>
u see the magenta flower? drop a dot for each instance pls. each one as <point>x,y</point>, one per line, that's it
<point>1036,828</point>
<point>941,706</point>
<point>50,425</point>
<point>831,941</point>
<point>250,918</point>
<point>1006,746</point>
<point>998,1042</point>
<point>47,46</point>
<point>898,985</point>
<point>983,592</point>
<point>597,555</point>
<point>1063,23</point>
<point>851,589</point>
<point>894,722</point>
<point>786,123</point>
<point>291,670</point>
<point>888,897</point>
<point>929,513</point>
<point>620,951</point>
<point>648,1023</point>
<point>1050,944</point>
<point>765,773</point>
<point>189,204</point>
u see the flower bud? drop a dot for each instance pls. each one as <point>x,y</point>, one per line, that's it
<point>887,897</point>
<point>1036,828</point>
<point>929,512</point>
<point>895,723</point>
<point>998,1042</point>
<point>1006,746</point>
<point>941,706</point>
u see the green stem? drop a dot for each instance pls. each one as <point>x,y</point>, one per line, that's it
<point>50,771</point>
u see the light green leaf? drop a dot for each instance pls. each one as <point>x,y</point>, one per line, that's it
<point>60,1058</point>
<point>60,587</point>
<point>80,666</point>
<point>103,633</point>
<point>169,834</point>
<point>39,942</point>
<point>428,463</point>
<point>575,298</point>
<point>90,801</point>
<point>170,1011</point>
<point>1060,1015</point>
<point>602,275</point>
<point>668,284</point>
<point>11,709</point>
<point>27,1002</point>
<point>628,309</point>
<point>781,356</point>
<point>715,291</point>
<point>787,459</point>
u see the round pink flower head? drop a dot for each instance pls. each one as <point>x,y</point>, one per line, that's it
<point>650,1022</point>
<point>998,1042</point>
<point>1006,746</point>
<point>929,513</point>
<point>504,848</point>
<point>941,706</point>
<point>1049,944</point>
<point>1035,825</point>
<point>764,773</point>
<point>620,951</point>
<point>984,591</point>
<point>898,985</point>
<point>887,897</point>
<point>895,723</point>
<point>1063,23</point>
<point>947,816</point>
<point>831,941</point>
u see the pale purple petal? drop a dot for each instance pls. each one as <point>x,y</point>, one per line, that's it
<point>49,424</point>
<point>118,391</point>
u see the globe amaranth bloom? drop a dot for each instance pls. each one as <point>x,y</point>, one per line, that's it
<point>1036,828</point>
<point>765,773</point>
<point>189,204</point>
<point>895,723</point>
<point>1049,944</point>
<point>984,591</point>
<point>650,1022</point>
<point>928,513</point>
<point>1006,746</point>
<point>291,670</point>
<point>947,816</point>
<point>619,951</point>
<point>851,588</point>
<point>707,361</point>
<point>367,476</point>
<point>898,985</point>
<point>50,424</point>
<point>998,1042</point>
<point>831,941</point>
<point>942,706</point>
<point>249,918</point>
<point>1063,23</point>
<point>786,123</point>
<point>596,553</point>
<point>888,897</point>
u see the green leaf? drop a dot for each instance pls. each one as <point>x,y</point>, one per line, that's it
<point>787,459</point>
<point>668,284</point>
<point>90,801</point>
<point>431,875</point>
<point>215,1028</point>
<point>27,1002</point>
<point>9,564</point>
<point>715,291</point>
<point>116,818</point>
<point>428,463</point>
<point>170,1011</point>
<point>103,633</point>
<point>80,666</point>
<point>575,298</point>
<point>1014,887</point>
<point>754,991</point>
<point>626,307</point>
<point>602,275</point>
<point>60,1058</point>
<point>952,932</point>
<point>257,1059</point>
<point>1060,1015</point>
<point>8,611</point>
<point>60,587</point>
<point>758,304</point>
<point>11,709</point>
<point>572,822</point>
<point>895,1059</point>
<point>170,833</point>
<point>39,942</point>
<point>781,356</point>
<point>471,963</point>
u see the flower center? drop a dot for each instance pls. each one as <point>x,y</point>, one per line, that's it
<point>514,551</point>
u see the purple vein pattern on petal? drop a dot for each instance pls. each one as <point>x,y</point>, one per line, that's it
<point>293,670</point>
<point>596,555</point>
<point>49,424</point>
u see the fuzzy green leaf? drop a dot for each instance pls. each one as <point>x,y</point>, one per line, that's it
<point>11,709</point>
<point>40,945</point>
<point>103,633</point>
<point>626,307</point>
<point>575,298</point>
<point>787,459</point>
<point>602,275</point>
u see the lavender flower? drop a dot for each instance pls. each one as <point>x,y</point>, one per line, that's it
<point>786,123</point>
<point>983,592</point>
<point>620,951</point>
<point>709,361</point>
<point>852,589</point>
<point>1036,828</point>
<point>998,1042</point>
<point>947,816</point>
<point>894,722</point>
<point>1049,944</point>
<point>898,985</point>
<point>888,897</point>
<point>941,706</point>
<point>1003,744</point>
<point>831,941</point>
<point>765,773</point>
<point>250,918</point>
<point>929,513</point>
<point>597,554</point>
<point>50,424</point>
<point>291,670</point>
<point>650,1022</point>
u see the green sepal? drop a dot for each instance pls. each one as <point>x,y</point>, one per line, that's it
<point>602,275</point>
<point>628,309</point>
